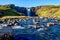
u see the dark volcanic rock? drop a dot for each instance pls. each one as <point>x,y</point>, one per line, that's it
<point>19,9</point>
<point>33,11</point>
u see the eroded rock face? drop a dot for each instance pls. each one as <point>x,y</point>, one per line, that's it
<point>33,11</point>
<point>19,9</point>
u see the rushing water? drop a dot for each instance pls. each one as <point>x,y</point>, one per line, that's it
<point>28,12</point>
<point>23,33</point>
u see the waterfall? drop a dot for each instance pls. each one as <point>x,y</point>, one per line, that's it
<point>28,12</point>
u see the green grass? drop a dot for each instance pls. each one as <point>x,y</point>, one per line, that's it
<point>9,12</point>
<point>3,8</point>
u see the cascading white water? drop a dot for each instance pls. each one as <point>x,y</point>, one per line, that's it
<point>28,12</point>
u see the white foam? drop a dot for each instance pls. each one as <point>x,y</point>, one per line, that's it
<point>18,27</point>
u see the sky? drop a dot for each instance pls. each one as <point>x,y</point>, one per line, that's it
<point>30,3</point>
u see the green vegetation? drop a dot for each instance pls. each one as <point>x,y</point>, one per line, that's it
<point>10,12</point>
<point>3,8</point>
<point>6,11</point>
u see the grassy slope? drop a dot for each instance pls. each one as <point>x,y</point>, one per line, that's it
<point>9,12</point>
<point>3,8</point>
<point>49,11</point>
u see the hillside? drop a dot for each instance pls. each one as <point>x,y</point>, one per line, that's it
<point>7,11</point>
<point>49,11</point>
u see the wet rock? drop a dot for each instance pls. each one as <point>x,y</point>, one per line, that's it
<point>50,24</point>
<point>6,30</point>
